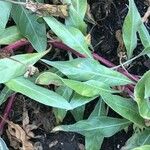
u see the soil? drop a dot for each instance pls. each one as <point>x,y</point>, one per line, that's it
<point>109,15</point>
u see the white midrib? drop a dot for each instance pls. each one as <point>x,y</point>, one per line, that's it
<point>104,127</point>
<point>35,34</point>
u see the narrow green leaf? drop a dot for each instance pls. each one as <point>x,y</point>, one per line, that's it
<point>76,14</point>
<point>10,35</point>
<point>142,95</point>
<point>97,140</point>
<point>29,27</point>
<point>80,7</point>
<point>93,142</point>
<point>99,109</point>
<point>4,94</point>
<point>69,35</point>
<point>3,145</point>
<point>66,93</point>
<point>78,113</point>
<point>20,65</point>
<point>127,108</point>
<point>137,140</point>
<point>105,126</point>
<point>84,69</point>
<point>78,100</point>
<point>144,35</point>
<point>35,92</point>
<point>5,8</point>
<point>89,88</point>
<point>130,28</point>
<point>144,147</point>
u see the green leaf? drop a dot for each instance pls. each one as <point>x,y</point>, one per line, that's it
<point>4,94</point>
<point>89,88</point>
<point>105,126</point>
<point>84,69</point>
<point>144,147</point>
<point>80,7</point>
<point>130,28</point>
<point>144,35</point>
<point>77,9</point>
<point>78,100</point>
<point>137,140</point>
<point>35,92</point>
<point>78,113</point>
<point>10,35</point>
<point>127,108</point>
<point>5,9</point>
<point>69,35</point>
<point>99,109</point>
<point>142,94</point>
<point>66,93</point>
<point>3,145</point>
<point>93,142</point>
<point>29,27</point>
<point>17,65</point>
<point>96,141</point>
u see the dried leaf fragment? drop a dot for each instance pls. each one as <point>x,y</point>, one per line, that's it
<point>48,10</point>
<point>121,48</point>
<point>146,15</point>
<point>20,135</point>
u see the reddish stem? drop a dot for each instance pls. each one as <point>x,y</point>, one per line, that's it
<point>129,88</point>
<point>60,45</point>
<point>7,111</point>
<point>16,45</point>
<point>109,64</point>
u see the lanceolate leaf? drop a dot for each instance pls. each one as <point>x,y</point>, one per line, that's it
<point>105,126</point>
<point>10,35</point>
<point>35,92</point>
<point>127,108</point>
<point>142,94</point>
<point>144,36</point>
<point>99,109</point>
<point>78,113</point>
<point>130,27</point>
<point>20,65</point>
<point>89,88</point>
<point>96,141</point>
<point>76,14</point>
<point>66,93</point>
<point>5,9</point>
<point>4,94</point>
<point>137,140</point>
<point>79,6</point>
<point>84,69</point>
<point>3,145</point>
<point>69,35</point>
<point>78,100</point>
<point>29,27</point>
<point>144,147</point>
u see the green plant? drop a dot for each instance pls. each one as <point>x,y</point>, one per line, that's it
<point>81,80</point>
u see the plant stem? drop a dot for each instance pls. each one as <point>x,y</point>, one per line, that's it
<point>60,45</point>
<point>16,45</point>
<point>129,61</point>
<point>7,112</point>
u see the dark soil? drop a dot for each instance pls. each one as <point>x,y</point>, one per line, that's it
<point>109,15</point>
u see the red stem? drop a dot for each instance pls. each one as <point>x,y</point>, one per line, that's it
<point>129,88</point>
<point>7,111</point>
<point>16,45</point>
<point>60,45</point>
